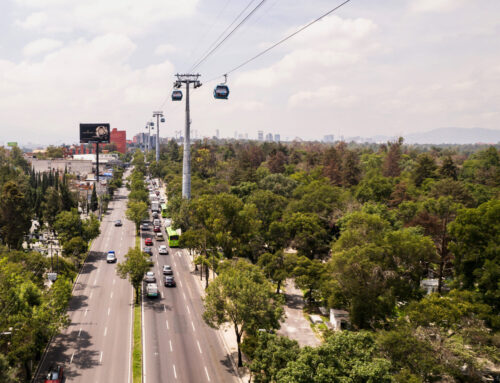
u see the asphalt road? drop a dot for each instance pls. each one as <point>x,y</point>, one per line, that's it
<point>96,347</point>
<point>178,345</point>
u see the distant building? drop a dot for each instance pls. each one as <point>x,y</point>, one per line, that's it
<point>277,138</point>
<point>260,135</point>
<point>80,167</point>
<point>339,319</point>
<point>119,138</point>
<point>217,133</point>
<point>329,138</point>
<point>269,137</point>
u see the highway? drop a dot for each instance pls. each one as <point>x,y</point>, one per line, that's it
<point>96,347</point>
<point>178,345</point>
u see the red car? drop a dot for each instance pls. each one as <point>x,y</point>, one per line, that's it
<point>55,375</point>
<point>157,229</point>
<point>148,242</point>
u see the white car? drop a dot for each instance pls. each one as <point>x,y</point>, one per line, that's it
<point>111,257</point>
<point>150,277</point>
<point>162,250</point>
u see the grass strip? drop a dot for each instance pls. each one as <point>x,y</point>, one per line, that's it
<point>137,352</point>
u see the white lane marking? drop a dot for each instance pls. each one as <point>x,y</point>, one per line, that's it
<point>179,254</point>
<point>85,312</point>
<point>189,312</point>
<point>90,296</point>
<point>95,281</point>
<point>111,295</point>
<point>114,281</point>
<point>167,324</point>
<point>175,373</point>
<point>199,347</point>
<point>171,349</point>
<point>109,310</point>
<point>192,324</point>
<point>105,331</point>
<point>184,295</point>
<point>164,308</point>
<point>180,282</point>
<point>72,355</point>
<point>206,372</point>
<point>79,332</point>
<point>162,295</point>
<point>100,359</point>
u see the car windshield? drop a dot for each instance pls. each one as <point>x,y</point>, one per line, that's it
<point>53,375</point>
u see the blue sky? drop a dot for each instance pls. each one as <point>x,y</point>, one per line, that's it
<point>374,67</point>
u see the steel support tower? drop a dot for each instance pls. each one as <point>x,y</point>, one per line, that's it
<point>187,79</point>
<point>158,114</point>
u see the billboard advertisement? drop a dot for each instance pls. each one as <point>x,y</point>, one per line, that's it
<point>94,133</point>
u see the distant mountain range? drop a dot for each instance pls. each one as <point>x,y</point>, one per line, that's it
<point>449,136</point>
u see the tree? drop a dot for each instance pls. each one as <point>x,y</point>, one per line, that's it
<point>14,215</point>
<point>277,267</point>
<point>426,168</point>
<point>272,354</point>
<point>448,168</point>
<point>391,166</point>
<point>307,235</point>
<point>68,225</point>
<point>91,228</point>
<point>242,296</point>
<point>376,189</point>
<point>344,357</point>
<point>94,202</point>
<point>51,206</point>
<point>309,275</point>
<point>136,212</point>
<point>475,237</point>
<point>76,247</point>
<point>134,267</point>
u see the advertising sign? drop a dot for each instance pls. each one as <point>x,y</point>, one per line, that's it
<point>94,133</point>
<point>11,144</point>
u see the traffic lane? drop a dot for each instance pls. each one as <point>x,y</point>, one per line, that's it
<point>217,359</point>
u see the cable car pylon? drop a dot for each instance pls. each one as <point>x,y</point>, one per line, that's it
<point>186,79</point>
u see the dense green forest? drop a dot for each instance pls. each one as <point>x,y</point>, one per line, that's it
<point>31,309</point>
<point>358,227</point>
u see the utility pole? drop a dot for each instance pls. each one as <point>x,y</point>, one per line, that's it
<point>186,161</point>
<point>158,114</point>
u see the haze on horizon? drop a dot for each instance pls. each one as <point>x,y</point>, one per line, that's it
<point>391,68</point>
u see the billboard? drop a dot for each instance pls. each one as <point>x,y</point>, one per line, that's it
<point>11,144</point>
<point>94,133</point>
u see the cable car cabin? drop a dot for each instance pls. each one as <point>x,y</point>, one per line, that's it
<point>176,95</point>
<point>162,119</point>
<point>221,92</point>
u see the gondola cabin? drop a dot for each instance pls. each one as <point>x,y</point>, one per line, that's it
<point>221,92</point>
<point>176,95</point>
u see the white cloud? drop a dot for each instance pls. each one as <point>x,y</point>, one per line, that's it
<point>164,49</point>
<point>41,46</point>
<point>86,80</point>
<point>435,5</point>
<point>332,44</point>
<point>129,17</point>
<point>325,96</point>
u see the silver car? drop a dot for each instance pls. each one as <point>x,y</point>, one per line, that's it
<point>150,277</point>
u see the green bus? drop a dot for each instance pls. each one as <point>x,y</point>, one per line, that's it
<point>164,210</point>
<point>172,237</point>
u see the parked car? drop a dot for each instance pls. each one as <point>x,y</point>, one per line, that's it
<point>148,250</point>
<point>111,257</point>
<point>167,270</point>
<point>162,250</point>
<point>148,242</point>
<point>55,375</point>
<point>118,222</point>
<point>150,277</point>
<point>169,281</point>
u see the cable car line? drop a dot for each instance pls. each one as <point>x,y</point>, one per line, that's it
<point>283,40</point>
<point>228,35</point>
<point>222,34</point>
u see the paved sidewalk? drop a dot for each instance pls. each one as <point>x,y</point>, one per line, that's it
<point>296,326</point>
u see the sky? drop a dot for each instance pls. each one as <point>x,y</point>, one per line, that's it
<point>389,67</point>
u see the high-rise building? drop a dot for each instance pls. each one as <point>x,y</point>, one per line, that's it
<point>269,137</point>
<point>119,138</point>
<point>328,138</point>
<point>277,138</point>
<point>217,134</point>
<point>260,135</point>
